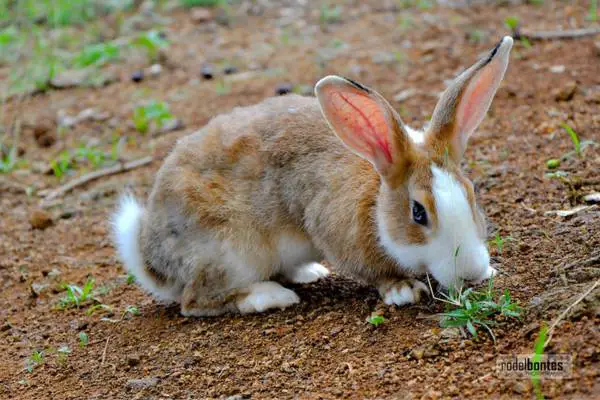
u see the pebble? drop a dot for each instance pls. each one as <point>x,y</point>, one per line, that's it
<point>520,387</point>
<point>593,198</point>
<point>283,89</point>
<point>133,360</point>
<point>566,92</point>
<point>230,69</point>
<point>137,76</point>
<point>155,69</point>
<point>69,78</point>
<point>557,69</point>
<point>143,383</point>
<point>40,219</point>
<point>207,71</point>
<point>200,15</point>
<point>593,97</point>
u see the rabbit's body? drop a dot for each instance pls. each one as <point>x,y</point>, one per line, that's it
<point>275,188</point>
<point>261,198</point>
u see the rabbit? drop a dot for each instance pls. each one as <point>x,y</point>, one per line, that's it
<point>273,189</point>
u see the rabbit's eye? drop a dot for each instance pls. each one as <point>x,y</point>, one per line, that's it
<point>419,214</point>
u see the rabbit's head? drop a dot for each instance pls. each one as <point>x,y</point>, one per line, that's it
<point>426,214</point>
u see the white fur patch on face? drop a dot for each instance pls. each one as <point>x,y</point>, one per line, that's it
<point>307,273</point>
<point>267,295</point>
<point>455,252</point>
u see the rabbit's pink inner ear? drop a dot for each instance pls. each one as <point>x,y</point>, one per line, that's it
<point>361,123</point>
<point>476,100</point>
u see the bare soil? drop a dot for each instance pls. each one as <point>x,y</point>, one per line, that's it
<point>322,348</point>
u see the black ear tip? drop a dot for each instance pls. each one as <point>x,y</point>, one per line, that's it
<point>357,85</point>
<point>495,49</point>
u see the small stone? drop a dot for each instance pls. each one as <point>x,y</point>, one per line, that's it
<point>418,353</point>
<point>557,69</point>
<point>133,360</point>
<point>520,387</point>
<point>137,76</point>
<point>566,92</point>
<point>200,15</point>
<point>67,214</point>
<point>283,89</point>
<point>69,78</point>
<point>593,97</point>
<point>143,383</point>
<point>40,219</point>
<point>37,288</point>
<point>206,71</point>
<point>592,198</point>
<point>155,69</point>
<point>230,69</point>
<point>450,333</point>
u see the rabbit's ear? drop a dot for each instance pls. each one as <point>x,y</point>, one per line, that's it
<point>464,104</point>
<point>365,122</point>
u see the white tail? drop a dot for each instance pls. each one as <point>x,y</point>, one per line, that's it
<point>126,234</point>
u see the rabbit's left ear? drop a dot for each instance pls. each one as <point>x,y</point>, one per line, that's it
<point>466,101</point>
<point>366,123</point>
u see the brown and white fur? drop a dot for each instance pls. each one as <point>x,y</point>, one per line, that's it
<point>274,188</point>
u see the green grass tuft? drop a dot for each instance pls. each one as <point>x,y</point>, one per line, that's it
<point>473,310</point>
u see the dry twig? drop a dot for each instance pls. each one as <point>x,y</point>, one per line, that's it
<point>104,351</point>
<point>556,35</point>
<point>564,313</point>
<point>50,195</point>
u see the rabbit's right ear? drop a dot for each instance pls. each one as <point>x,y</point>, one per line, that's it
<point>365,122</point>
<point>466,101</point>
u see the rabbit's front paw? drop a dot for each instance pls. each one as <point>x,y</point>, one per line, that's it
<point>402,292</point>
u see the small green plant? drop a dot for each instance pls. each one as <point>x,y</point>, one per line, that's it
<point>130,279</point>
<point>62,164</point>
<point>553,163</point>
<point>499,241</point>
<point>96,54</point>
<point>8,161</point>
<point>153,112</point>
<point>63,353</point>
<point>84,339</point>
<point>593,11</point>
<point>76,296</point>
<point>37,358</point>
<point>67,160</point>
<point>376,319</point>
<point>98,307</point>
<point>472,309</point>
<point>152,42</point>
<point>130,311</point>
<point>574,137</point>
<point>330,15</point>
<point>201,3</point>
<point>91,154</point>
<point>538,352</point>
<point>511,23</point>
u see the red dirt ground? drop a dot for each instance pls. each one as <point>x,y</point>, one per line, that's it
<point>322,348</point>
